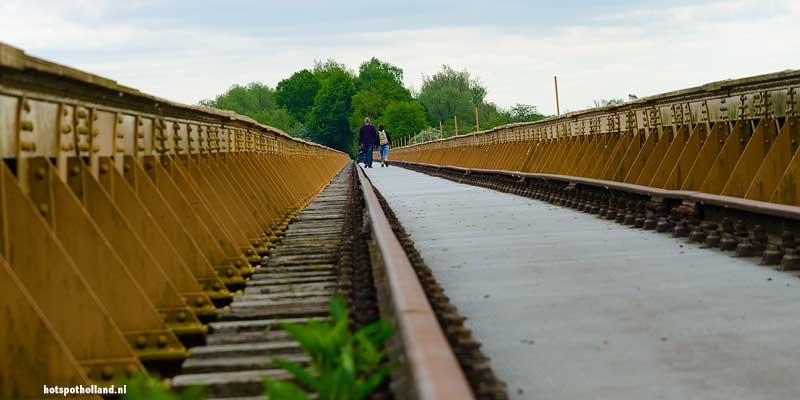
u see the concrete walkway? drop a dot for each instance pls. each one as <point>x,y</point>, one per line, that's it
<point>569,306</point>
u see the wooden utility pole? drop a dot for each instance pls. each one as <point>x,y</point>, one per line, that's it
<point>558,109</point>
<point>477,125</point>
<point>441,131</point>
<point>455,120</point>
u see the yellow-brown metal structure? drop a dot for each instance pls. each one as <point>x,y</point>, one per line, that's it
<point>735,138</point>
<point>128,221</point>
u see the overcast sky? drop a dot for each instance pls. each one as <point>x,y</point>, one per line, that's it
<point>192,50</point>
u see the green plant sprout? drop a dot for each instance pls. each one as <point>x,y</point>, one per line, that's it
<point>343,366</point>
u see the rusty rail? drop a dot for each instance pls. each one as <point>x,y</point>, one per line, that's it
<point>429,363</point>
<point>128,221</point>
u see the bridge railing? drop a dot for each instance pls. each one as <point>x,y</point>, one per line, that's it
<point>736,138</point>
<point>127,221</point>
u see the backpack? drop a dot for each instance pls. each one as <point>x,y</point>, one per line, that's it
<point>383,139</point>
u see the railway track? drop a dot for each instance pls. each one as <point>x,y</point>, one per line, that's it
<point>324,251</point>
<point>295,284</point>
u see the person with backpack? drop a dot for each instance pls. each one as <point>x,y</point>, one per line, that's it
<point>367,139</point>
<point>383,140</point>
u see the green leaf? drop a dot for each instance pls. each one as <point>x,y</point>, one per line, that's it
<point>304,335</point>
<point>299,372</point>
<point>372,383</point>
<point>282,390</point>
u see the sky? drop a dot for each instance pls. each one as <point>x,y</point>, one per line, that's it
<point>192,50</point>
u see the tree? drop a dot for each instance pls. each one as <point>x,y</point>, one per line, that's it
<point>451,93</point>
<point>256,101</point>
<point>376,70</point>
<point>367,103</point>
<point>327,122</point>
<point>404,118</point>
<point>524,113</point>
<point>296,93</point>
<point>379,84</point>
<point>324,69</point>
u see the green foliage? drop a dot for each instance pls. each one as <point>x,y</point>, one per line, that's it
<point>380,84</point>
<point>448,93</point>
<point>404,118</point>
<point>376,70</point>
<point>343,366</point>
<point>328,122</point>
<point>366,103</point>
<point>328,103</point>
<point>256,101</point>
<point>146,387</point>
<point>324,69</point>
<point>296,93</point>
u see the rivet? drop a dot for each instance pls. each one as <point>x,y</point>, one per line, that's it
<point>162,340</point>
<point>27,146</point>
<point>238,263</point>
<point>104,168</point>
<point>131,369</point>
<point>148,165</point>
<point>81,113</point>
<point>75,170</point>
<point>126,167</point>
<point>41,172</point>
<point>199,301</point>
<point>215,286</point>
<point>141,341</point>
<point>66,128</point>
<point>181,316</point>
<point>83,130</point>
<point>65,112</point>
<point>230,272</point>
<point>26,125</point>
<point>140,147</point>
<point>119,119</point>
<point>95,132</point>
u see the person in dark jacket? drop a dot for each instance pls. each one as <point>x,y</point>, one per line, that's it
<point>383,141</point>
<point>367,139</point>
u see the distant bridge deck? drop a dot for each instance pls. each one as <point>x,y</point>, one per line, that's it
<point>570,306</point>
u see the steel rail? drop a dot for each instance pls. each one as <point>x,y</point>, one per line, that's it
<point>433,368</point>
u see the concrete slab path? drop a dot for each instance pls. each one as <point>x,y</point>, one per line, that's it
<point>569,306</point>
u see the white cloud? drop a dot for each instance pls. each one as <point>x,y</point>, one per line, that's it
<point>642,51</point>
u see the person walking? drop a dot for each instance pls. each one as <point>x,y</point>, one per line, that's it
<point>367,139</point>
<point>383,141</point>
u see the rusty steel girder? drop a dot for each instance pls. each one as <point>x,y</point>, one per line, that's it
<point>128,221</point>
<point>736,138</point>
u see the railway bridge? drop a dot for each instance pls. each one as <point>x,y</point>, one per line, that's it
<point>644,250</point>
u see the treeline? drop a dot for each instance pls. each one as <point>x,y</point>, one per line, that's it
<point>327,104</point>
